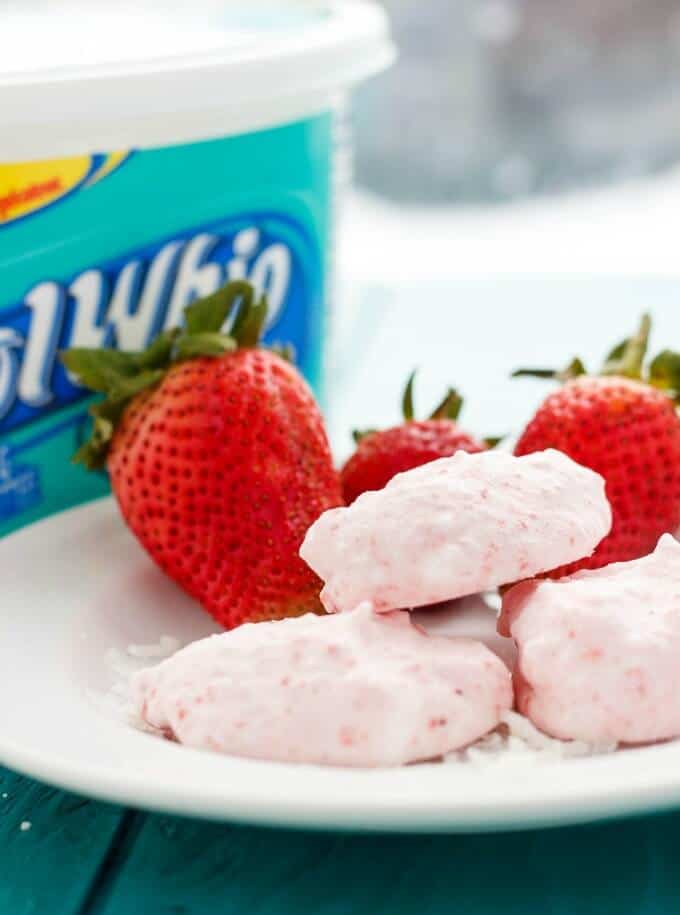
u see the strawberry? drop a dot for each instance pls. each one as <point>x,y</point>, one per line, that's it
<point>218,458</point>
<point>382,454</point>
<point>624,425</point>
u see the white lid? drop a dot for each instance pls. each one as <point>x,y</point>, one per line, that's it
<point>79,76</point>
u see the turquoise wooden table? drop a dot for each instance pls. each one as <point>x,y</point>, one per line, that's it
<point>64,855</point>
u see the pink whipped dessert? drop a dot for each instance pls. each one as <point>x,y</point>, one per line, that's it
<point>359,689</point>
<point>457,526</point>
<point>599,652</point>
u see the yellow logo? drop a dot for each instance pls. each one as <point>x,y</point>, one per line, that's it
<point>26,187</point>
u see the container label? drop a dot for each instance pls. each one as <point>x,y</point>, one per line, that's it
<point>126,302</point>
<point>19,485</point>
<point>28,187</point>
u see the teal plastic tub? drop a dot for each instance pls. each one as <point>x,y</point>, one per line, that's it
<point>130,186</point>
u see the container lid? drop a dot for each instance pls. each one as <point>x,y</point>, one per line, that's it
<point>74,72</point>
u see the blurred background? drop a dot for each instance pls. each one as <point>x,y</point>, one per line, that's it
<point>517,199</point>
<point>494,99</point>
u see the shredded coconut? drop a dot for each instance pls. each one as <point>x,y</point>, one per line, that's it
<point>166,646</point>
<point>116,702</point>
<point>516,740</point>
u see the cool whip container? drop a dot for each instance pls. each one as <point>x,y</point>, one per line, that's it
<point>146,157</point>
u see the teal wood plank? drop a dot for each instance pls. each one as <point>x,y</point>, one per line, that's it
<point>182,867</point>
<point>49,867</point>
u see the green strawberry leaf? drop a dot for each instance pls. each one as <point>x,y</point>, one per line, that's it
<point>450,406</point>
<point>359,434</point>
<point>158,354</point>
<point>407,410</point>
<point>127,388</point>
<point>91,455</point>
<point>100,369</point>
<point>208,315</point>
<point>106,414</point>
<point>107,370</point>
<point>189,346</point>
<point>284,350</point>
<point>536,373</point>
<point>627,358</point>
<point>664,371</point>
<point>250,319</point>
<point>573,370</point>
<point>618,351</point>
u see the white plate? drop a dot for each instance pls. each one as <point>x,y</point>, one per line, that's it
<point>77,585</point>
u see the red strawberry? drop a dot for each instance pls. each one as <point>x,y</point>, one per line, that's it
<point>382,454</point>
<point>218,458</point>
<point>626,429</point>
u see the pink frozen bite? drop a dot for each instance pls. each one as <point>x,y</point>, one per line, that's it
<point>457,526</point>
<point>599,652</point>
<point>360,689</point>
